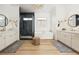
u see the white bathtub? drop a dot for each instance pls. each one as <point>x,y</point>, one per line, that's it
<point>44,35</point>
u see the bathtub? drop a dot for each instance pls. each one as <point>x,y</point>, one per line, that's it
<point>44,35</point>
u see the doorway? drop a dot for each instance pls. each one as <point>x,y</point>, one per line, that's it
<point>27,25</point>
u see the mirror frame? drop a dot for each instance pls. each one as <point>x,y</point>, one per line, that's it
<point>6,20</point>
<point>69,18</point>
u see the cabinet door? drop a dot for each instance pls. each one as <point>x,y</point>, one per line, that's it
<point>14,36</point>
<point>75,41</point>
<point>67,38</point>
<point>2,41</point>
<point>9,37</point>
<point>60,36</point>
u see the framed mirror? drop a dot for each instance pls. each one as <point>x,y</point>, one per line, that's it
<point>73,20</point>
<point>3,20</point>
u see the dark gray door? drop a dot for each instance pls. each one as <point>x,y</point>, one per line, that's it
<point>26,23</point>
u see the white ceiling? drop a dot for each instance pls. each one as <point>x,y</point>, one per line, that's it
<point>30,8</point>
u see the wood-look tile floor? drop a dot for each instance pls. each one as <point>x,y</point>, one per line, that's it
<point>45,48</point>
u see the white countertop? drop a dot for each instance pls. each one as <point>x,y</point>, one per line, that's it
<point>69,30</point>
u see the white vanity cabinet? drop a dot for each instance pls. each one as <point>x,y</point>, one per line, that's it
<point>71,39</point>
<point>75,42</point>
